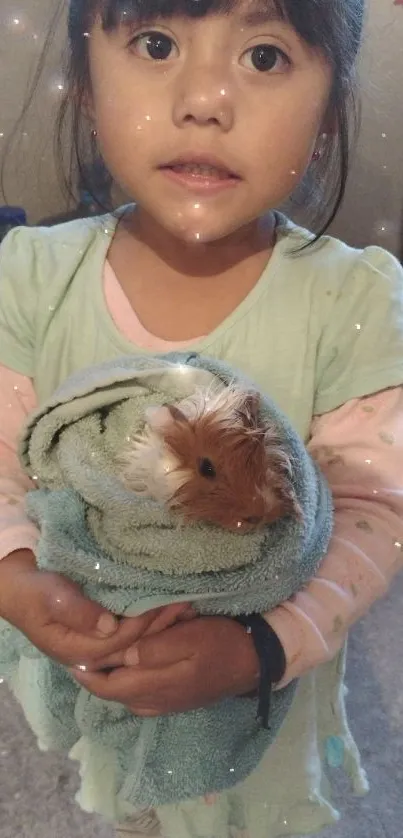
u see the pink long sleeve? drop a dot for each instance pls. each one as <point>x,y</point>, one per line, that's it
<point>360,449</point>
<point>17,399</point>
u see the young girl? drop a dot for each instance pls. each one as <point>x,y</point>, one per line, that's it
<point>210,115</point>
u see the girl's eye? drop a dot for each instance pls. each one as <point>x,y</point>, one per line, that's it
<point>154,46</point>
<point>266,57</point>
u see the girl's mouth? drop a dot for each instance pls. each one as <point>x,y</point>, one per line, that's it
<point>200,175</point>
<point>201,170</point>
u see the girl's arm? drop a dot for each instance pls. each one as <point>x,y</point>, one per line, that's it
<point>17,399</point>
<point>359,447</point>
<point>59,620</point>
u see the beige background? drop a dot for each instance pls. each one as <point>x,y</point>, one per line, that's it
<point>374,206</point>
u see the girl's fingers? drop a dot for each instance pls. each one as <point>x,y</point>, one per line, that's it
<point>144,712</point>
<point>189,614</point>
<point>168,616</point>
<point>175,644</point>
<point>70,647</point>
<point>131,686</point>
<point>97,653</point>
<point>109,662</point>
<point>67,606</point>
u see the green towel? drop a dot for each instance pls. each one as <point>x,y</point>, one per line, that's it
<point>129,553</point>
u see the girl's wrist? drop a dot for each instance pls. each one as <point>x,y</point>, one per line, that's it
<point>243,660</point>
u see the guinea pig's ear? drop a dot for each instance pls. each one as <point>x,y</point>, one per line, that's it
<point>158,418</point>
<point>248,409</point>
<point>176,414</point>
<point>289,503</point>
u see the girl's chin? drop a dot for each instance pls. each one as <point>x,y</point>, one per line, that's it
<point>194,234</point>
<point>200,227</point>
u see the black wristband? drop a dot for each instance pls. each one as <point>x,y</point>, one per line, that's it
<point>271,658</point>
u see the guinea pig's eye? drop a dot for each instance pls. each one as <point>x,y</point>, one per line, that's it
<point>253,520</point>
<point>206,468</point>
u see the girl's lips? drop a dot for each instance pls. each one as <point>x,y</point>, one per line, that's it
<point>201,169</point>
<point>200,176</point>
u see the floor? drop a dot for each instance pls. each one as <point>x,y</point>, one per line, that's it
<point>36,790</point>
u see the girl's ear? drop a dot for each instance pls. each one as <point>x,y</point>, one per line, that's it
<point>84,100</point>
<point>329,124</point>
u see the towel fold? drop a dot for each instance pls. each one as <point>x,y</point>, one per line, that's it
<point>130,554</point>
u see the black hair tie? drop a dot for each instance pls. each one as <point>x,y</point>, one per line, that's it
<point>271,658</point>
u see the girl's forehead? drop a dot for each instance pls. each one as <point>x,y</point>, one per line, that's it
<point>116,12</point>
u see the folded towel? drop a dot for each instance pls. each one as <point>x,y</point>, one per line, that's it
<point>128,552</point>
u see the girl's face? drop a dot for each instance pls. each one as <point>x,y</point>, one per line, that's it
<point>207,123</point>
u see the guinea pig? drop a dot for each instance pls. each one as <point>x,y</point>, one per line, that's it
<point>212,458</point>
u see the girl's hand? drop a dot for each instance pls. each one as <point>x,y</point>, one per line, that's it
<point>190,665</point>
<point>58,619</point>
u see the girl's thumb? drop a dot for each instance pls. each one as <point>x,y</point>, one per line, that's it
<point>69,607</point>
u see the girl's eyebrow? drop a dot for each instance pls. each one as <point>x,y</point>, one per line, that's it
<point>260,14</point>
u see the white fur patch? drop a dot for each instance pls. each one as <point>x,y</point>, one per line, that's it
<point>150,468</point>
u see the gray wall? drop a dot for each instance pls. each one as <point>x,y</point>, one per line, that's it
<point>373,211</point>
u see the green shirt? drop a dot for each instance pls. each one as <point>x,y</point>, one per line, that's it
<point>320,327</point>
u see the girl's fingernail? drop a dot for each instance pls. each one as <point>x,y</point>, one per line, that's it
<point>106,624</point>
<point>132,657</point>
<point>78,671</point>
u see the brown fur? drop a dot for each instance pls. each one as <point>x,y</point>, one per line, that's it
<point>252,486</point>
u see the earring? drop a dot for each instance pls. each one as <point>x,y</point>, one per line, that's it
<point>317,154</point>
<point>94,134</point>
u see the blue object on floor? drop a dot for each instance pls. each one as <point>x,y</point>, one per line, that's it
<point>334,751</point>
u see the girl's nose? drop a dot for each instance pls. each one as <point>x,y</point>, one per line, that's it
<point>203,99</point>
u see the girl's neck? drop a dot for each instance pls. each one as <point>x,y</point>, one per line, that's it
<point>179,291</point>
<point>199,260</point>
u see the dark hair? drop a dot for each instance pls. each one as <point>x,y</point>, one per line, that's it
<point>333,26</point>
